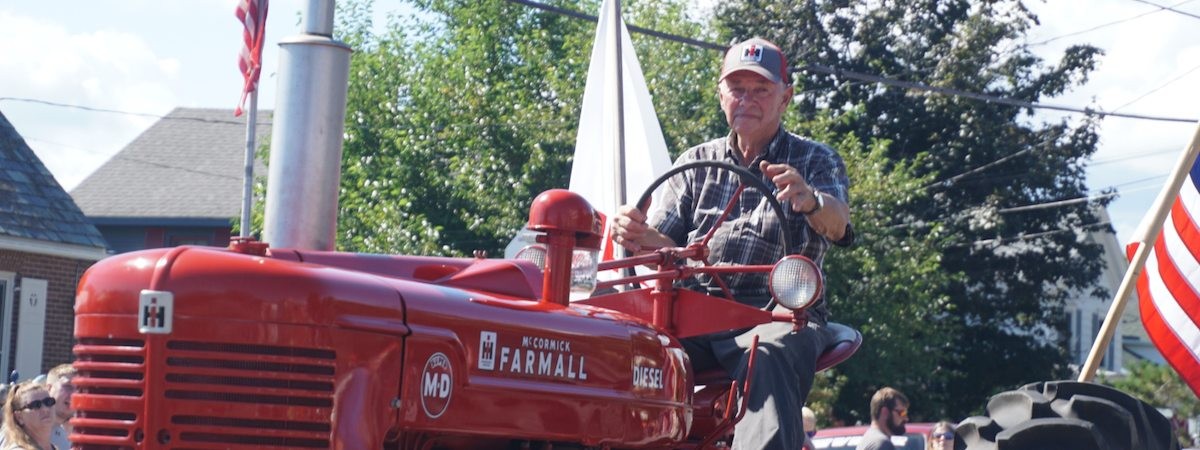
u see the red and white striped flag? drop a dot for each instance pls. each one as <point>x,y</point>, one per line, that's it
<point>1169,287</point>
<point>252,14</point>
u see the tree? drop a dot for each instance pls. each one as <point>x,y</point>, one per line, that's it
<point>1161,387</point>
<point>983,158</point>
<point>888,284</point>
<point>458,116</point>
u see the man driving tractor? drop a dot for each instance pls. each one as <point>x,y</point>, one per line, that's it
<point>754,90</point>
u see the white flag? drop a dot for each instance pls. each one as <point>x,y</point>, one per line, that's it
<point>594,173</point>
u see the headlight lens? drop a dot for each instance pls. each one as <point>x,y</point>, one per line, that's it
<point>795,282</point>
<point>583,273</point>
<point>535,253</point>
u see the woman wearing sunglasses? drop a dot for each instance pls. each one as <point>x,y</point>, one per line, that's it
<point>941,437</point>
<point>28,417</point>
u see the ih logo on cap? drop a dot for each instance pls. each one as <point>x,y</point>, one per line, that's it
<point>752,52</point>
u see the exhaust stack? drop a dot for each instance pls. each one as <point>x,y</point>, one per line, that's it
<point>306,141</point>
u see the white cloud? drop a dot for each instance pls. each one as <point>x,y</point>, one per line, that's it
<point>103,69</point>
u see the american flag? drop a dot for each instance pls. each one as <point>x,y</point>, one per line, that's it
<point>252,14</point>
<point>1169,288</point>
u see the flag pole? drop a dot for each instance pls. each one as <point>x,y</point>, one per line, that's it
<point>1145,237</point>
<point>248,168</point>
<point>620,153</point>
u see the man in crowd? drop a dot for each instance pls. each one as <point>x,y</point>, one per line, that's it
<point>889,414</point>
<point>810,427</point>
<point>58,382</point>
<point>810,179</point>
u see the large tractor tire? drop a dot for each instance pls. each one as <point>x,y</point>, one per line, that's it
<point>1066,415</point>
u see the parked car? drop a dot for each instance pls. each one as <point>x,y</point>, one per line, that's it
<point>847,438</point>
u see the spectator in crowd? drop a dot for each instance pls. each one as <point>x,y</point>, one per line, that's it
<point>941,437</point>
<point>889,414</point>
<point>29,417</point>
<point>58,382</point>
<point>810,427</point>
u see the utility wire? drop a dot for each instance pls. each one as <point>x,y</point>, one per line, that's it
<point>1170,8</point>
<point>1140,97</point>
<point>817,68</point>
<point>127,113</point>
<point>1105,25</point>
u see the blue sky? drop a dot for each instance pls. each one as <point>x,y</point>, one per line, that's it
<point>149,56</point>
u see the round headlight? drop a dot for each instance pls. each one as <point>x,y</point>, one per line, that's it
<point>795,282</point>
<point>535,253</point>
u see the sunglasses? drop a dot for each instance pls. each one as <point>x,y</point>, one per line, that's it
<point>947,436</point>
<point>38,404</point>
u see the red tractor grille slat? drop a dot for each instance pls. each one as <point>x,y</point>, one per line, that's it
<point>254,440</point>
<point>111,373</point>
<point>244,381</point>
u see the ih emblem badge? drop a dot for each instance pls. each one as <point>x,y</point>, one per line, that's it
<point>155,309</point>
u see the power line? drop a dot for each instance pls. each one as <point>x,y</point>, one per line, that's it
<point>1131,156</point>
<point>1170,8</point>
<point>817,68</point>
<point>1025,237</point>
<point>1168,83</point>
<point>1105,25</point>
<point>127,113</point>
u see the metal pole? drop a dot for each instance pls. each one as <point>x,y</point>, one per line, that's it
<point>1146,236</point>
<point>248,169</point>
<point>618,79</point>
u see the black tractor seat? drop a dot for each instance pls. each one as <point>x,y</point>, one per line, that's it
<point>843,342</point>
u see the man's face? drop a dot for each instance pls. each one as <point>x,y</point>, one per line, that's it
<point>897,418</point>
<point>753,105</point>
<point>61,390</point>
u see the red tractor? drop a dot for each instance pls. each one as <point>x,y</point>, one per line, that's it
<point>250,347</point>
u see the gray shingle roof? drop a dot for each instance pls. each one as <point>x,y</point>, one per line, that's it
<point>32,203</point>
<point>187,165</point>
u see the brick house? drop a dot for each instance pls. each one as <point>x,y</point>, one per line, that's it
<point>45,245</point>
<point>179,182</point>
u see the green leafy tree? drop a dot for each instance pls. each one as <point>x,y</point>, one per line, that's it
<point>982,159</point>
<point>459,115</point>
<point>889,283</point>
<point>1161,387</point>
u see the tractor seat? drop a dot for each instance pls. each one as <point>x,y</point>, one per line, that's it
<point>843,342</point>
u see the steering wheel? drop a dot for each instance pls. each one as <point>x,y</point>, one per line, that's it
<point>747,179</point>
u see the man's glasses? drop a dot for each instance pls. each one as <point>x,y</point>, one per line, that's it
<point>811,433</point>
<point>947,436</point>
<point>754,92</point>
<point>38,404</point>
<point>902,412</point>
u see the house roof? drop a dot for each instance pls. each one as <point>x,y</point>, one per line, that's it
<point>187,165</point>
<point>32,203</point>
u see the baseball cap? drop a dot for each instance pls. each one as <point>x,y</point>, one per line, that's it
<point>757,55</point>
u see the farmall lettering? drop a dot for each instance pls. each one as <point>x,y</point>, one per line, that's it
<point>437,383</point>
<point>535,356</point>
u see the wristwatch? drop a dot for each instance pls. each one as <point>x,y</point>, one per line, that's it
<point>820,202</point>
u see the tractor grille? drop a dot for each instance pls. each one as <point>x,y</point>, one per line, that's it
<point>214,394</point>
<point>112,371</point>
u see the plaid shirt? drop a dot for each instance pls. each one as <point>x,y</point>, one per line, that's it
<point>692,201</point>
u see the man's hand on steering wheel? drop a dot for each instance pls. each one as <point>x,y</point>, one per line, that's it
<point>630,231</point>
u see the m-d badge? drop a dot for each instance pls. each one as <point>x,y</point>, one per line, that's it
<point>155,309</point>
